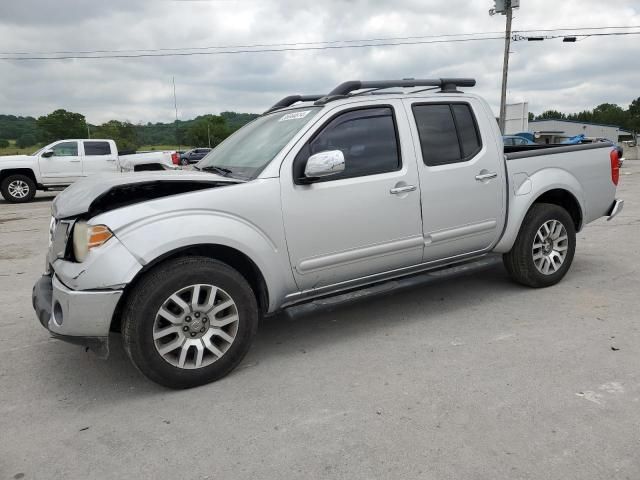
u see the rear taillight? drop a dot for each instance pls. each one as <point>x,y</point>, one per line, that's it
<point>175,158</point>
<point>615,166</point>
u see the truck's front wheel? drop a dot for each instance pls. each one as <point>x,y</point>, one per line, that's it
<point>189,321</point>
<point>18,188</point>
<point>544,248</point>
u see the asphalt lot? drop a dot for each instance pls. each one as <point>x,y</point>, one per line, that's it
<point>470,378</point>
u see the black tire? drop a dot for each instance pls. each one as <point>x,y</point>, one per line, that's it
<point>25,181</point>
<point>154,288</point>
<point>519,262</point>
<point>184,162</point>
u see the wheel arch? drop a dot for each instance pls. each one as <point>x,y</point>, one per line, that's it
<point>18,171</point>
<point>565,199</point>
<point>554,186</point>
<point>229,255</point>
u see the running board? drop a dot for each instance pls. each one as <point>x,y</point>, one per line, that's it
<point>388,286</point>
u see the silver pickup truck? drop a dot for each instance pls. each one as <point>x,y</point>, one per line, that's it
<point>320,195</point>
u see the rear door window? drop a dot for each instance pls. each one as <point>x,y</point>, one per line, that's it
<point>97,148</point>
<point>448,133</point>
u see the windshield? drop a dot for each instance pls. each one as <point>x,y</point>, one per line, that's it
<point>249,150</point>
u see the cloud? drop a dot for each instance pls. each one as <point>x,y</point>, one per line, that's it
<point>549,74</point>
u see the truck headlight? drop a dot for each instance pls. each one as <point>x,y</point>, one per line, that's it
<point>86,237</point>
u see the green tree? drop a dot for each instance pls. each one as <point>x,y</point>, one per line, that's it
<point>532,117</point>
<point>62,124</point>
<point>633,114</point>
<point>27,140</point>
<point>236,120</point>
<point>123,133</point>
<point>551,115</point>
<point>4,143</point>
<point>208,130</point>
<point>610,114</point>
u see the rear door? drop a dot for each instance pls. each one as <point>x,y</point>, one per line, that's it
<point>365,220</point>
<point>98,157</point>
<point>461,177</point>
<point>64,166</point>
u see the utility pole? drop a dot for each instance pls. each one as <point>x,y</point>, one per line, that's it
<point>88,132</point>
<point>175,106</point>
<point>505,7</point>
<point>505,67</point>
<point>208,135</point>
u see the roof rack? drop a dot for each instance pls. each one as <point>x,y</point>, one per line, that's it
<point>291,99</point>
<point>447,85</point>
<point>344,90</point>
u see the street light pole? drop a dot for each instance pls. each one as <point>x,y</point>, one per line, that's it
<point>505,65</point>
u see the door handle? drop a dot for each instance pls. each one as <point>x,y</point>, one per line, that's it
<point>74,161</point>
<point>405,189</point>
<point>111,159</point>
<point>486,176</point>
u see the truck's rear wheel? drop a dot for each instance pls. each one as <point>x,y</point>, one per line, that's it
<point>544,248</point>
<point>18,188</point>
<point>189,322</point>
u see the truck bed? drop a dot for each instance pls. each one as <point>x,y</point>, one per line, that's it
<point>585,167</point>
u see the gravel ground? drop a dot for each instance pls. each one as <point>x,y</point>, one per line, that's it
<point>469,378</point>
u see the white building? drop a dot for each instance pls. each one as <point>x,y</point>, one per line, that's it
<point>516,118</point>
<point>555,131</point>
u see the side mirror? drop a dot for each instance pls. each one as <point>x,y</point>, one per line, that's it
<point>47,153</point>
<point>324,164</point>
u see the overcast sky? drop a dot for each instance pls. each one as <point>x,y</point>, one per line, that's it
<point>550,74</point>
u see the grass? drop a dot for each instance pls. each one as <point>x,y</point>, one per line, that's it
<point>13,150</point>
<point>144,148</point>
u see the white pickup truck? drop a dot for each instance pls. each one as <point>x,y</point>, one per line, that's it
<point>61,163</point>
<point>321,195</point>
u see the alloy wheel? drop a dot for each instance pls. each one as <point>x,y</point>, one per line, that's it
<point>550,246</point>
<point>18,189</point>
<point>195,326</point>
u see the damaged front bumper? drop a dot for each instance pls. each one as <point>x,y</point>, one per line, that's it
<point>79,317</point>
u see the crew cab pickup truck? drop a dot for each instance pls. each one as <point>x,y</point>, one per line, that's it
<point>320,195</point>
<point>63,162</point>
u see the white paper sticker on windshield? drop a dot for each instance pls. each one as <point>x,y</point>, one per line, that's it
<point>294,115</point>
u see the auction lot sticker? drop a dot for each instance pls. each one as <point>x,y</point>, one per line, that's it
<point>294,115</point>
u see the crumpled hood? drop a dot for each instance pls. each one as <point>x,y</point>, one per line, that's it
<point>102,192</point>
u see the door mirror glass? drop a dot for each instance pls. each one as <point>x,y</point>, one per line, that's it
<point>47,153</point>
<point>324,164</point>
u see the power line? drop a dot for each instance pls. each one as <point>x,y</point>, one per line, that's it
<point>264,50</point>
<point>293,49</point>
<point>584,35</point>
<point>319,42</point>
<point>255,45</point>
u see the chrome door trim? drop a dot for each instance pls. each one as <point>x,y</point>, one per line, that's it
<point>340,258</point>
<point>457,232</point>
<point>356,283</point>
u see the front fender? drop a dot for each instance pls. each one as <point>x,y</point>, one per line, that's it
<point>526,189</point>
<point>155,236</point>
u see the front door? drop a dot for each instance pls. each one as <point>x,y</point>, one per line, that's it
<point>461,177</point>
<point>64,166</point>
<point>98,157</point>
<point>360,222</point>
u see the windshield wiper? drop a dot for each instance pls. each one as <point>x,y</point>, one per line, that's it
<point>225,172</point>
